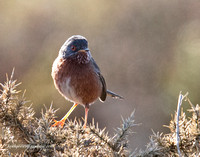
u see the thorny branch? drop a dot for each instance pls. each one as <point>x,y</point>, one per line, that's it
<point>180,99</point>
<point>40,139</point>
<point>21,127</point>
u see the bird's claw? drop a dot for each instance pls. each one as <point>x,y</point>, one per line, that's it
<point>58,123</point>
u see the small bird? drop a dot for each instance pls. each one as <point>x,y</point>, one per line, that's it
<point>77,77</point>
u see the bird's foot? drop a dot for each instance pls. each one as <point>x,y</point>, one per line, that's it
<point>84,126</point>
<point>59,123</point>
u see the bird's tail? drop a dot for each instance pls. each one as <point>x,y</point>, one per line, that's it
<point>113,95</point>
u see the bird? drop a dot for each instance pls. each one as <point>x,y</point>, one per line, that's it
<point>77,77</point>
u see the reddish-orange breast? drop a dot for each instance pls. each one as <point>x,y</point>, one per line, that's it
<point>77,82</point>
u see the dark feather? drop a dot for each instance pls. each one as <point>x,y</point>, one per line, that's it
<point>95,65</point>
<point>113,95</point>
<point>103,93</point>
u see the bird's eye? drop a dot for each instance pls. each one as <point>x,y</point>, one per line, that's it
<point>73,48</point>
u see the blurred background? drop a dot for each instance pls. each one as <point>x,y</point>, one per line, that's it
<point>148,52</point>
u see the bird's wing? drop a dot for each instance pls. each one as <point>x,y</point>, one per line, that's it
<point>104,90</point>
<point>95,65</point>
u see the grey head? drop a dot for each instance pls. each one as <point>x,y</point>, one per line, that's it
<point>76,47</point>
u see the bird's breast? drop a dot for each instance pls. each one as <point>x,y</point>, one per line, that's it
<point>76,82</point>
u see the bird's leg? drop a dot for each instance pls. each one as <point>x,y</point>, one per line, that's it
<point>86,115</point>
<point>62,121</point>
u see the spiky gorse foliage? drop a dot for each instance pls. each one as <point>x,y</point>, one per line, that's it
<point>24,135</point>
<point>166,144</point>
<point>29,136</point>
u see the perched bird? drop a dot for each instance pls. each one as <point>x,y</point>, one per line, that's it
<point>77,77</point>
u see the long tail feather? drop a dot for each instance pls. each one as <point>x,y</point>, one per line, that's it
<point>113,95</point>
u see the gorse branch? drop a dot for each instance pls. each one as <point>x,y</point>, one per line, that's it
<point>121,137</point>
<point>36,137</point>
<point>189,136</point>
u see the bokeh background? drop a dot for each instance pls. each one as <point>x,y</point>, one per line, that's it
<point>148,52</point>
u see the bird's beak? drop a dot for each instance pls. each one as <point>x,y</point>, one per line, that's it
<point>84,50</point>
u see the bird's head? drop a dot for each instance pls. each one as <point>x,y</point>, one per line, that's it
<point>76,48</point>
